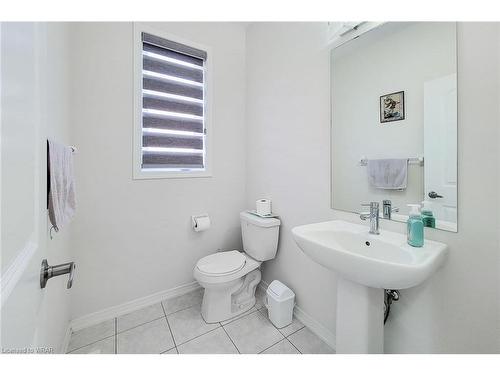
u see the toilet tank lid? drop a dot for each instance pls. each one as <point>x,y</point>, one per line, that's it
<point>280,291</point>
<point>265,222</point>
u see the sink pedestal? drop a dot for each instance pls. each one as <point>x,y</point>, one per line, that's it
<point>360,318</point>
<point>373,262</point>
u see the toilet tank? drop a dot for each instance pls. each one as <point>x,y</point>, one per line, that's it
<point>260,236</point>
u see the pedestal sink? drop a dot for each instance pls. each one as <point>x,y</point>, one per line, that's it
<point>366,264</point>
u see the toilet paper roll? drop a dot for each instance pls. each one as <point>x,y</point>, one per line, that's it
<point>201,223</point>
<point>263,207</point>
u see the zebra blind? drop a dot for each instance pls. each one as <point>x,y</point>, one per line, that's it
<point>173,96</point>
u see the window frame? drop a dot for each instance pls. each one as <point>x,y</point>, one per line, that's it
<point>138,172</point>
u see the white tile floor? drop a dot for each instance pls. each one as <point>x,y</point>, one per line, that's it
<point>176,326</point>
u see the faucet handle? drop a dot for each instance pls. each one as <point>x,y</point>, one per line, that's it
<point>371,204</point>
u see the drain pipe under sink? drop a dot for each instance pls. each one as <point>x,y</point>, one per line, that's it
<point>390,296</point>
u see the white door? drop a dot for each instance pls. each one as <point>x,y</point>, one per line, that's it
<point>23,188</point>
<point>440,148</point>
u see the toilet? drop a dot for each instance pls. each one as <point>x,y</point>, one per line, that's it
<point>230,277</point>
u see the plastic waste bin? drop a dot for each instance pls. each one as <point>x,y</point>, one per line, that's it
<point>280,301</point>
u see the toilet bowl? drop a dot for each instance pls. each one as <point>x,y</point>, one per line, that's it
<point>230,277</point>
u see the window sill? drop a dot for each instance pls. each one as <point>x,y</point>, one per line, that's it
<point>154,175</point>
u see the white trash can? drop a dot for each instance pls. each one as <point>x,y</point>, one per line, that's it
<point>280,301</point>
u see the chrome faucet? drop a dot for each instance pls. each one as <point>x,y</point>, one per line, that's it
<point>373,215</point>
<point>388,209</point>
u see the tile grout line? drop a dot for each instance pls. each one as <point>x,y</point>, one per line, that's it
<point>279,329</point>
<point>287,337</point>
<point>291,333</point>
<point>300,329</point>
<point>265,317</point>
<point>176,311</point>
<point>203,334</point>
<point>91,343</point>
<point>230,339</point>
<point>283,339</point>
<point>176,351</point>
<point>238,317</point>
<point>116,333</point>
<point>204,321</point>
<point>220,326</point>
<point>165,315</point>
<point>291,343</point>
<point>139,325</point>
<point>244,316</point>
<point>269,347</point>
<point>169,328</point>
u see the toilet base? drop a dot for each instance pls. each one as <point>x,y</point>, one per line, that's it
<point>228,300</point>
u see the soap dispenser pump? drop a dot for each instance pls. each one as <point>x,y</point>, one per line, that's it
<point>415,226</point>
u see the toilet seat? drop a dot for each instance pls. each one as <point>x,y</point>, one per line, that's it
<point>221,264</point>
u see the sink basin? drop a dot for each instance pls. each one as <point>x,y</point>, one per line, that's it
<point>379,261</point>
<point>366,264</point>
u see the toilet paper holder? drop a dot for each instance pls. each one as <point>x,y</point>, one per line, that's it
<point>195,218</point>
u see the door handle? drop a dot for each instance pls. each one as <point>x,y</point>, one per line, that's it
<point>433,195</point>
<point>47,272</point>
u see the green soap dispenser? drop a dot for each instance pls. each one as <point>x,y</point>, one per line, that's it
<point>427,215</point>
<point>415,226</point>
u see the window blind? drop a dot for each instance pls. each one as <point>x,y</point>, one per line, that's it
<point>173,96</point>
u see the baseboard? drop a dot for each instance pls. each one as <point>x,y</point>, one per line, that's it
<point>127,307</point>
<point>319,329</point>
<point>65,343</point>
<point>316,327</point>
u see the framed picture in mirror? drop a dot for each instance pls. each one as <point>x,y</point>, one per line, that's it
<point>392,107</point>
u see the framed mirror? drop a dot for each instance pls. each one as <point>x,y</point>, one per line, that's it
<point>394,121</point>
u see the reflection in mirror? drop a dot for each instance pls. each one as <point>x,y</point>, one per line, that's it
<point>394,121</point>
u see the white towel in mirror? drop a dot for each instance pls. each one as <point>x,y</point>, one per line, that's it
<point>389,174</point>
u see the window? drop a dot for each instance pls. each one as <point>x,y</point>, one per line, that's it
<point>171,108</point>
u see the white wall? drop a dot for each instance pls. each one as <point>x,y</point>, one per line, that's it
<point>288,146</point>
<point>133,238</point>
<point>366,68</point>
<point>35,89</point>
<point>288,128</point>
